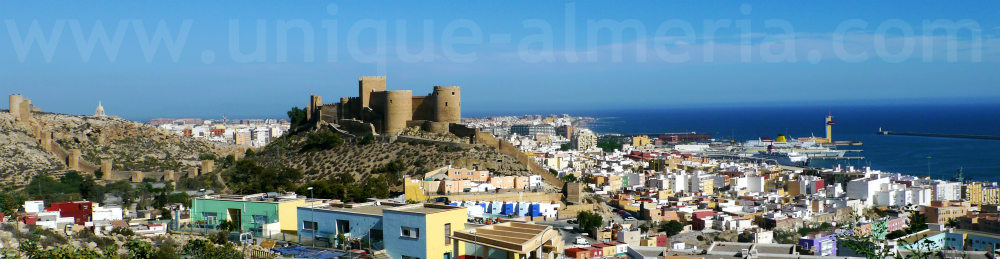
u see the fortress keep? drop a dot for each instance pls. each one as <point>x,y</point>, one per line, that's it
<point>390,111</point>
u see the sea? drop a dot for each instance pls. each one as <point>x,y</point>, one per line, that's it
<point>940,158</point>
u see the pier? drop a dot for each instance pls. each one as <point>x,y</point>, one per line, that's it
<point>937,135</point>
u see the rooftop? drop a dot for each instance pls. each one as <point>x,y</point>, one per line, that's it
<point>367,208</point>
<point>425,208</point>
<point>271,197</point>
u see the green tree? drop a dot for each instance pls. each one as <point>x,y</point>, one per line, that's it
<point>569,178</point>
<point>918,222</point>
<point>297,117</point>
<point>589,221</point>
<point>322,140</point>
<point>672,227</point>
<point>10,201</point>
<point>138,249</point>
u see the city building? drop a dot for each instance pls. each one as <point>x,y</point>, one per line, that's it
<point>264,214</point>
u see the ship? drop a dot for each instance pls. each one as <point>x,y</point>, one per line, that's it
<point>783,157</point>
<point>808,148</point>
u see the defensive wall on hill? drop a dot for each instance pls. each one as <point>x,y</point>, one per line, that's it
<point>73,160</point>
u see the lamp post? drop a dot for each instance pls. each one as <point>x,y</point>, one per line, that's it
<point>312,215</point>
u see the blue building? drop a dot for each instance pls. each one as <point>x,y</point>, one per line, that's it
<point>821,244</point>
<point>361,221</point>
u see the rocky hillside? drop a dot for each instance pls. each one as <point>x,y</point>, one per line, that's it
<point>20,153</point>
<point>359,156</point>
<point>132,146</point>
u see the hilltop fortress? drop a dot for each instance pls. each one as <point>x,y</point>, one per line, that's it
<point>380,111</point>
<point>390,112</point>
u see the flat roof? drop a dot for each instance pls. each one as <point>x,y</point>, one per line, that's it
<point>425,208</point>
<point>730,247</point>
<point>368,208</point>
<point>913,238</point>
<point>774,248</point>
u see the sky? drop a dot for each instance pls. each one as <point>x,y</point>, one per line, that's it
<point>249,59</point>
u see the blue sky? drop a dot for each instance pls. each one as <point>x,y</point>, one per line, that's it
<point>821,53</point>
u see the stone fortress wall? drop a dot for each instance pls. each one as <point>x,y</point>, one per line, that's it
<point>22,109</point>
<point>391,111</point>
<point>379,111</point>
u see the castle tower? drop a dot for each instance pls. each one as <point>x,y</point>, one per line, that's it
<point>46,141</point>
<point>73,161</point>
<point>106,165</point>
<point>100,110</point>
<point>315,104</point>
<point>368,85</point>
<point>15,106</point>
<point>398,110</point>
<point>207,166</point>
<point>448,107</point>
<point>25,109</point>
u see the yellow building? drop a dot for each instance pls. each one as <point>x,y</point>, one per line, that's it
<point>641,141</point>
<point>413,190</point>
<point>708,186</point>
<point>973,192</point>
<point>991,196</point>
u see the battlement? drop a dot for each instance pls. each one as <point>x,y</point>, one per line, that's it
<point>390,110</point>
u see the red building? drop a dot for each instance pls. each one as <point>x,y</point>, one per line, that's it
<point>578,253</point>
<point>661,240</point>
<point>698,221</point>
<point>595,252</point>
<point>80,211</point>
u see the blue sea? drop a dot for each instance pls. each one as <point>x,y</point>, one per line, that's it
<point>979,159</point>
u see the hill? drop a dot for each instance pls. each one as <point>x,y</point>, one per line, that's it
<point>132,146</point>
<point>325,154</point>
<point>360,155</point>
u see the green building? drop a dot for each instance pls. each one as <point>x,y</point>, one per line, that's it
<point>264,214</point>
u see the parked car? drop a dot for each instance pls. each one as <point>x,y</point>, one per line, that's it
<point>572,221</point>
<point>582,241</point>
<point>630,219</point>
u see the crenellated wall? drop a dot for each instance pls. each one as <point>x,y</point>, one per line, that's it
<point>389,111</point>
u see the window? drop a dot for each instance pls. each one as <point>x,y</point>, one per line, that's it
<point>410,257</point>
<point>409,232</point>
<point>209,216</point>
<point>259,219</point>
<point>447,234</point>
<point>445,104</point>
<point>343,226</point>
<point>452,93</point>
<point>309,225</point>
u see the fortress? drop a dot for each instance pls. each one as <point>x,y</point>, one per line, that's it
<point>390,112</point>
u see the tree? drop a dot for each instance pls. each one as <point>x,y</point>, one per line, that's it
<point>918,222</point>
<point>10,201</point>
<point>297,117</point>
<point>322,140</point>
<point>866,245</point>
<point>565,147</point>
<point>122,231</point>
<point>672,227</point>
<point>138,249</point>
<point>589,221</point>
<point>568,178</point>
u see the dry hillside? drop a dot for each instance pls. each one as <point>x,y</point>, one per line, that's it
<point>358,156</point>
<point>133,146</point>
